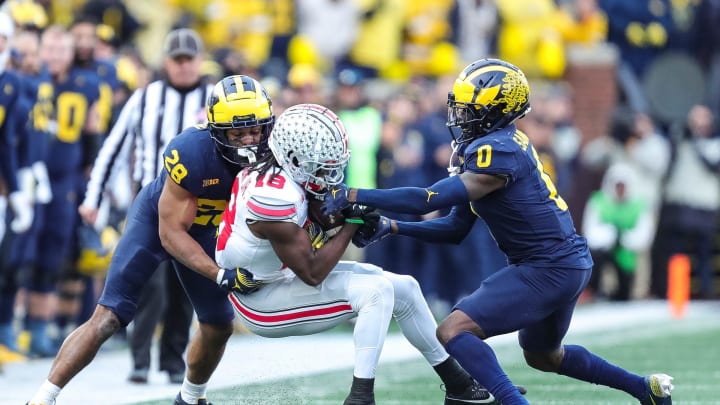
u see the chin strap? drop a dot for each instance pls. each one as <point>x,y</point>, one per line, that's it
<point>454,165</point>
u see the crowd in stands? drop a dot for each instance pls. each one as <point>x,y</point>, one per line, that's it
<point>625,97</point>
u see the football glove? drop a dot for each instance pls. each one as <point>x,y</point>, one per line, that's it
<point>357,214</point>
<point>238,280</point>
<point>318,236</point>
<point>374,228</point>
<point>23,210</point>
<point>336,199</point>
<point>43,192</point>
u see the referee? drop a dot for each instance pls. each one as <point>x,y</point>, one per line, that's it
<point>148,121</point>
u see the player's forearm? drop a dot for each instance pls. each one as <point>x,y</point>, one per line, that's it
<point>327,257</point>
<point>451,228</point>
<point>182,247</point>
<point>414,200</point>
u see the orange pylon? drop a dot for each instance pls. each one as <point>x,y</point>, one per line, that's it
<point>678,291</point>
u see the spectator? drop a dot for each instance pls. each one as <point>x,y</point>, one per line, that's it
<point>691,201</point>
<point>331,26</point>
<point>475,24</point>
<point>618,225</point>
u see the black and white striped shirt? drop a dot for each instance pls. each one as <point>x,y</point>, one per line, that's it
<point>148,121</point>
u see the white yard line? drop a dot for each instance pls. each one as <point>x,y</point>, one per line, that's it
<point>251,359</point>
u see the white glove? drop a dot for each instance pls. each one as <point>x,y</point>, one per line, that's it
<point>43,192</point>
<point>3,212</point>
<point>26,182</point>
<point>23,210</point>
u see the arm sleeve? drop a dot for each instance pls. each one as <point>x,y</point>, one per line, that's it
<point>445,193</point>
<point>111,153</point>
<point>452,228</point>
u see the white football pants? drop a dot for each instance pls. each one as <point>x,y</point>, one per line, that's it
<point>289,307</point>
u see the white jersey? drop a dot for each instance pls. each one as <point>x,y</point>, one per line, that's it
<point>272,197</point>
<point>286,306</point>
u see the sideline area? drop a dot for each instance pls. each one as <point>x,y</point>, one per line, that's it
<point>250,359</point>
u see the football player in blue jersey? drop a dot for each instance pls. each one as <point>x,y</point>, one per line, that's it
<point>176,216</point>
<point>32,141</point>
<point>84,31</point>
<point>10,124</point>
<point>496,174</point>
<point>70,152</point>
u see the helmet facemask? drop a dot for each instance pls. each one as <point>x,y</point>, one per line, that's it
<point>242,155</point>
<point>239,102</point>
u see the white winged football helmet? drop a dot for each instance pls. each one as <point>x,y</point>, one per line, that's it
<point>310,144</point>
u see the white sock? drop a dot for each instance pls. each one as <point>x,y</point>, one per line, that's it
<point>190,392</point>
<point>46,394</point>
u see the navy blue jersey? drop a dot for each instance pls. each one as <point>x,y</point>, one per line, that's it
<point>192,162</point>
<point>11,123</point>
<point>40,91</point>
<point>529,220</point>
<point>108,84</point>
<point>73,99</point>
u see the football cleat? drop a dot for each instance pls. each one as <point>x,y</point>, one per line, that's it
<point>354,399</point>
<point>657,390</point>
<point>475,394</point>
<point>200,401</point>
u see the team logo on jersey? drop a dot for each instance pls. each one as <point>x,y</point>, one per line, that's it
<point>430,194</point>
<point>8,89</point>
<point>210,182</point>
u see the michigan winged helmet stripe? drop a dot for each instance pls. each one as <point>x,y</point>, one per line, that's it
<point>488,95</point>
<point>239,101</point>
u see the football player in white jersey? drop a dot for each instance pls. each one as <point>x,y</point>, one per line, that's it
<point>305,288</point>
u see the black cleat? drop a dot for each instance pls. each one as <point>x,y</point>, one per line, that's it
<point>475,394</point>
<point>179,401</point>
<point>355,399</point>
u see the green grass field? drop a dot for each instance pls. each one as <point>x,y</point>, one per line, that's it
<point>689,350</point>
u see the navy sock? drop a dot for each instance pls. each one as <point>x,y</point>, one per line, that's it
<point>580,364</point>
<point>479,360</point>
<point>7,306</point>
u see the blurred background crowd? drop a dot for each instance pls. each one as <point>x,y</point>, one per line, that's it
<point>624,96</point>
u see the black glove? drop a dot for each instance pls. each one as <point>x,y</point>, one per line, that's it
<point>238,280</point>
<point>357,213</point>
<point>374,228</point>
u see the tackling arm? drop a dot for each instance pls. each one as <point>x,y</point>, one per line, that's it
<point>177,209</point>
<point>448,192</point>
<point>293,247</point>
<point>414,200</point>
<point>452,228</point>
